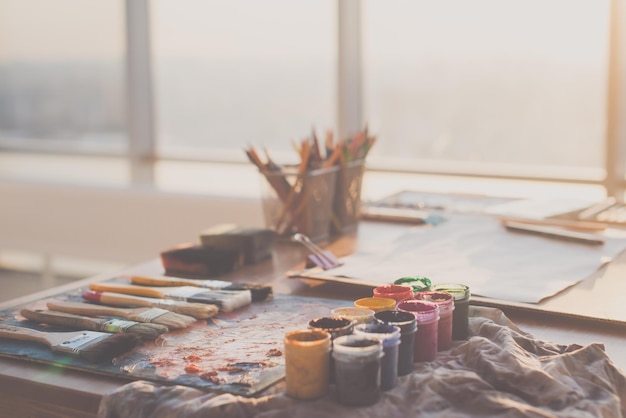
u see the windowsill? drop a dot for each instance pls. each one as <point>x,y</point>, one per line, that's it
<point>243,180</point>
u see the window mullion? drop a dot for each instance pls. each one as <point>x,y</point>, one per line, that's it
<point>616,102</point>
<point>349,64</point>
<point>139,94</point>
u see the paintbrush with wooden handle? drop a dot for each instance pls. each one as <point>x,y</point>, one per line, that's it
<point>196,310</point>
<point>91,346</point>
<point>225,300</point>
<point>172,320</point>
<point>144,330</point>
<point>258,292</point>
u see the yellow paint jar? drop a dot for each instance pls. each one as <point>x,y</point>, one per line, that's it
<point>307,356</point>
<point>376,304</point>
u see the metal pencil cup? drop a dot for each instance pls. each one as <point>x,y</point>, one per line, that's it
<point>347,200</point>
<point>301,203</point>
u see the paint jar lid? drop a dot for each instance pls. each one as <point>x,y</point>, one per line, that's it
<point>359,315</point>
<point>356,348</point>
<point>308,338</point>
<point>405,320</point>
<point>394,291</point>
<point>445,300</point>
<point>418,283</point>
<point>376,304</point>
<point>388,334</point>
<point>460,292</point>
<point>425,312</point>
<point>335,325</point>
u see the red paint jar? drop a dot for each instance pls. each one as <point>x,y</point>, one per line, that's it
<point>445,301</point>
<point>427,317</point>
<point>394,291</point>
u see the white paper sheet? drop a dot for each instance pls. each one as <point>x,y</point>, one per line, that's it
<point>478,251</point>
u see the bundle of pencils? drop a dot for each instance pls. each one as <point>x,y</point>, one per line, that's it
<point>313,156</point>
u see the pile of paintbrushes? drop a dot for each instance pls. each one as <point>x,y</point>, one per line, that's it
<point>313,156</point>
<point>116,315</point>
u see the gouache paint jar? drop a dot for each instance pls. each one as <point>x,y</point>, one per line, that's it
<point>460,317</point>
<point>427,316</point>
<point>389,336</point>
<point>408,326</point>
<point>394,291</point>
<point>307,358</point>
<point>418,283</point>
<point>357,362</point>
<point>445,301</point>
<point>376,304</point>
<point>336,326</point>
<point>358,315</point>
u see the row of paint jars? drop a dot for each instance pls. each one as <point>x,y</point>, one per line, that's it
<point>331,352</point>
<point>363,349</point>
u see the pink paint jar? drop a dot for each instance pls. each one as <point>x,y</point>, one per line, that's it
<point>394,291</point>
<point>427,317</point>
<point>445,301</point>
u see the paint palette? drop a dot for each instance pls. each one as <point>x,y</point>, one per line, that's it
<point>240,352</point>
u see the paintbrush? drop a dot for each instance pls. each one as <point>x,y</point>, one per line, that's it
<point>259,292</point>
<point>225,300</point>
<point>91,346</point>
<point>196,310</point>
<point>144,330</point>
<point>171,320</point>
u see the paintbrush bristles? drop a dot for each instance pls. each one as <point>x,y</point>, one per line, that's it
<point>196,310</point>
<point>108,348</point>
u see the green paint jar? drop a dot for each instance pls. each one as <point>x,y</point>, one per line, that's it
<point>460,317</point>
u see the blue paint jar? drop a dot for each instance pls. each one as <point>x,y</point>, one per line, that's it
<point>408,327</point>
<point>357,369</point>
<point>389,336</point>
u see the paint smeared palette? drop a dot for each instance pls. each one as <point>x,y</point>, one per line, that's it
<point>239,352</point>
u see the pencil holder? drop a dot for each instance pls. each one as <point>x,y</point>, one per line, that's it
<point>299,202</point>
<point>347,198</point>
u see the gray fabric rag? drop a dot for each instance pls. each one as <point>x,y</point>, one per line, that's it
<point>500,371</point>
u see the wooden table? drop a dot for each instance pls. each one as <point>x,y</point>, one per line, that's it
<point>30,389</point>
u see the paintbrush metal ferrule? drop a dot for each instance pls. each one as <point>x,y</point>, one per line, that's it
<point>80,342</point>
<point>226,300</point>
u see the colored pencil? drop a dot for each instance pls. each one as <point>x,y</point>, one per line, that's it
<point>91,346</point>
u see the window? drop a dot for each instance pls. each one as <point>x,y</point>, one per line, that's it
<point>488,83</point>
<point>232,73</point>
<point>510,89</point>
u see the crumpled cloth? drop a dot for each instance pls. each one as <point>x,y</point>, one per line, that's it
<point>500,371</point>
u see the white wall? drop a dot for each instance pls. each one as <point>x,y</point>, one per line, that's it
<point>112,225</point>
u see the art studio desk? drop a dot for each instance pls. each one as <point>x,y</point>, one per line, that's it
<point>32,389</point>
